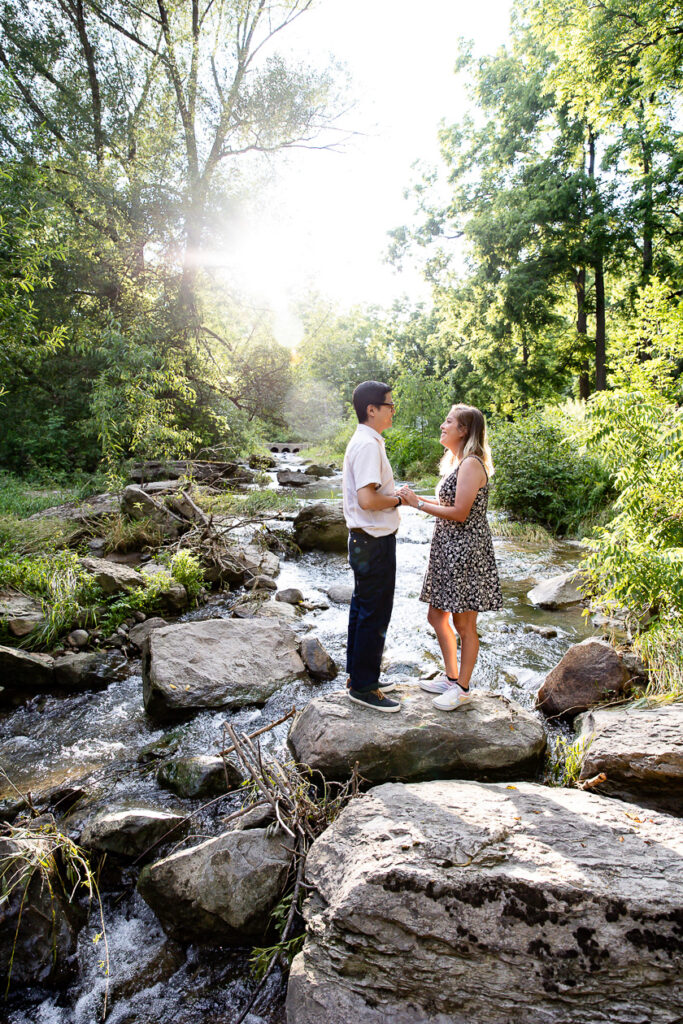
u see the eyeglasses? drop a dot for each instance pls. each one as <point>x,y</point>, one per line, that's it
<point>389,405</point>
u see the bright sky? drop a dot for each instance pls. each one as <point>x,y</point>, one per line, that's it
<point>323,223</point>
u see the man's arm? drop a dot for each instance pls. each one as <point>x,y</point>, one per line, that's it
<point>371,500</point>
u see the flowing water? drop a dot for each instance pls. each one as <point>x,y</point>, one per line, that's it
<point>91,741</point>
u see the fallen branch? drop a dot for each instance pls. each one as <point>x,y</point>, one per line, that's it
<point>597,780</point>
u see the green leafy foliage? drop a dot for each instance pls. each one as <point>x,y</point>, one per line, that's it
<point>563,764</point>
<point>544,477</point>
<point>636,561</point>
<point>412,452</point>
<point>62,584</point>
<point>186,569</point>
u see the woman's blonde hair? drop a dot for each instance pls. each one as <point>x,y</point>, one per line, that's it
<point>476,442</point>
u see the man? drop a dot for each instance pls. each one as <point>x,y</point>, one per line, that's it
<point>370,510</point>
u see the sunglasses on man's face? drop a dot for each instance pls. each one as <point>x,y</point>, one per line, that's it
<point>389,405</point>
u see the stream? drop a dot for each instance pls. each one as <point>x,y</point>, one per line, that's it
<point>91,741</point>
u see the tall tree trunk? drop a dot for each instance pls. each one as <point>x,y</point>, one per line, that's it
<point>600,332</point>
<point>582,329</point>
<point>599,272</point>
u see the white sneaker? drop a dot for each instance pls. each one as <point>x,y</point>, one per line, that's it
<point>439,684</point>
<point>452,698</point>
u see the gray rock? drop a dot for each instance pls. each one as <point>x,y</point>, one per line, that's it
<point>78,637</point>
<point>321,526</point>
<point>277,610</point>
<point>289,478</point>
<point>138,504</point>
<point>21,613</point>
<point>589,672</point>
<point>197,469</point>
<point>131,831</point>
<point>489,737</point>
<point>220,892</point>
<point>218,663</point>
<point>640,751</point>
<point>174,598</point>
<point>315,469</point>
<point>259,461</point>
<point>291,595</point>
<point>341,593</point>
<point>20,670</point>
<point>247,561</point>
<point>258,817</point>
<point>112,577</point>
<point>138,634</point>
<point>89,671</point>
<point>262,583</point>
<point>557,592</point>
<point>152,569</point>
<point>547,632</point>
<point>203,775</point>
<point>456,902</point>
<point>316,659</point>
<point>90,511</point>
<point>165,486</point>
<point>38,928</point>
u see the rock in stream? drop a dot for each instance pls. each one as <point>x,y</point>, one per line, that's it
<point>461,902</point>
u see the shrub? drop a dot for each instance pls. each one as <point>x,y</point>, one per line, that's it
<point>544,477</point>
<point>186,569</point>
<point>412,452</point>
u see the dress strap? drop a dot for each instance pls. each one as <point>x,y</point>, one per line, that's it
<point>473,456</point>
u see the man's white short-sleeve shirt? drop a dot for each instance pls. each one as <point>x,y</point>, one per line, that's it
<point>366,462</point>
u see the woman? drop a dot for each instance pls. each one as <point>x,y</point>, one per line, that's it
<point>461,578</point>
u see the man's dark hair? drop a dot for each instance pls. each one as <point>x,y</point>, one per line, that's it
<point>370,392</point>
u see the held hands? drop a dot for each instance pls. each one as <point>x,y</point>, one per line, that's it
<point>408,497</point>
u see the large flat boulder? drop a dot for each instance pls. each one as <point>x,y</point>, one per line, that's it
<point>112,577</point>
<point>321,526</point>
<point>557,592</point>
<point>489,737</point>
<point>219,663</point>
<point>20,670</point>
<point>589,672</point>
<point>221,891</point>
<point>641,753</point>
<point>460,902</point>
<point>90,511</point>
<point>290,478</point>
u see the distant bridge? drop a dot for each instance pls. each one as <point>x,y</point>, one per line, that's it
<point>278,447</point>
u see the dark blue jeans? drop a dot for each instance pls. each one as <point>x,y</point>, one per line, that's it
<point>373,560</point>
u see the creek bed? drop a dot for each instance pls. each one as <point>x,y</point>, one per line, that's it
<point>92,741</point>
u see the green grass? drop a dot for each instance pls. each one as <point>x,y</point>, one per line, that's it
<point>22,497</point>
<point>511,529</point>
<point>564,762</point>
<point>661,648</point>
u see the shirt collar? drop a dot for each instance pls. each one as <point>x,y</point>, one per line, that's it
<point>364,428</point>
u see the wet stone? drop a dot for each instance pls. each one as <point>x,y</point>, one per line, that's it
<point>203,775</point>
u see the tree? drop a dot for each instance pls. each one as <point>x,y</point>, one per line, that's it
<point>137,119</point>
